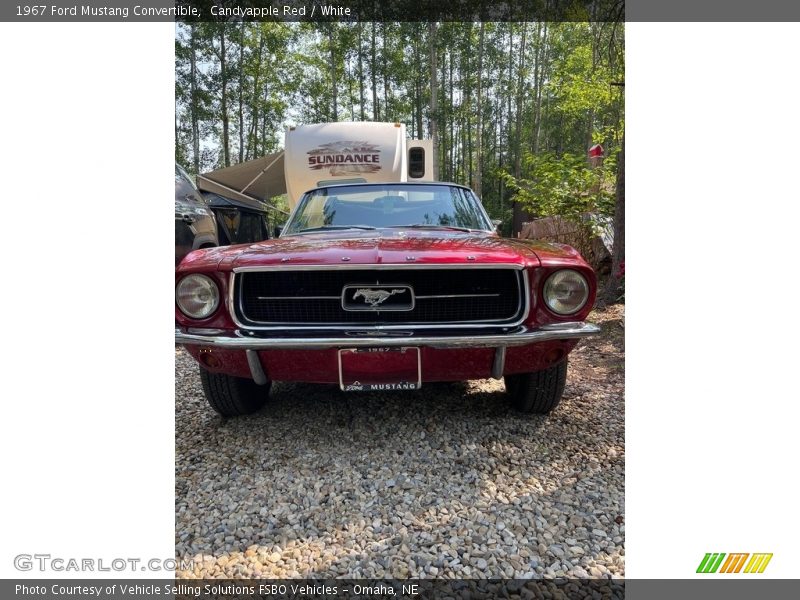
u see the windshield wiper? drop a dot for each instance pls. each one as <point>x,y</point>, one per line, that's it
<point>329,227</point>
<point>424,226</point>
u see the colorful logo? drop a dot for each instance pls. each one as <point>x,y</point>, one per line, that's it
<point>713,563</point>
<point>346,158</point>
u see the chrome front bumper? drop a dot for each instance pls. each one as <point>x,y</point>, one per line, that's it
<point>521,336</point>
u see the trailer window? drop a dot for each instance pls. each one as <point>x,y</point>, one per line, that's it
<point>416,163</point>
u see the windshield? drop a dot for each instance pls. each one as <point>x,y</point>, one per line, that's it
<point>388,205</point>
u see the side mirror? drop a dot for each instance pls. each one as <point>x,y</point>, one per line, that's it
<point>277,231</point>
<point>497,223</point>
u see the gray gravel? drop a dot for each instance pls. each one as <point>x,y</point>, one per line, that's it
<point>445,482</point>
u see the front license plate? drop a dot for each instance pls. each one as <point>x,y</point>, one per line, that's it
<point>365,369</point>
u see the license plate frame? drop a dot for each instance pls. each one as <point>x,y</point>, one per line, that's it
<point>411,365</point>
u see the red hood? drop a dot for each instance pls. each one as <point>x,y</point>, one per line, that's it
<point>381,246</point>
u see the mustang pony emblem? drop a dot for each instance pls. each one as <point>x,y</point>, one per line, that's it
<point>375,297</point>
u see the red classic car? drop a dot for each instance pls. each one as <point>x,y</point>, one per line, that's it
<point>383,286</point>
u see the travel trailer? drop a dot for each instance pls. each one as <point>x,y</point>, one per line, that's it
<point>326,154</point>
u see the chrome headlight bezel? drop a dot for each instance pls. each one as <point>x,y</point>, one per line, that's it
<point>565,292</point>
<point>192,288</point>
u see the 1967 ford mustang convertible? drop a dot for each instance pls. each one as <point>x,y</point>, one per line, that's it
<point>383,287</point>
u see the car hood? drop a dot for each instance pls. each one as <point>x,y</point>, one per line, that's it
<point>389,246</point>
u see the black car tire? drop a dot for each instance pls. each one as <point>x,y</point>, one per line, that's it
<point>538,392</point>
<point>233,396</point>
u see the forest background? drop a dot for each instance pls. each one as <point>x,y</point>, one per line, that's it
<point>512,107</point>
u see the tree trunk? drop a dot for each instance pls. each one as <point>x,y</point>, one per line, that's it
<point>252,144</point>
<point>466,77</point>
<point>595,60</point>
<point>376,109</point>
<point>223,71</point>
<point>193,92</point>
<point>519,212</point>
<point>451,118</point>
<point>332,47</point>
<point>434,108</point>
<point>444,142</point>
<point>614,283</point>
<point>241,93</point>
<point>349,77</point>
<point>507,123</point>
<point>361,72</point>
<point>418,83</point>
<point>264,120</point>
<point>498,143</point>
<point>477,184</point>
<point>539,82</point>
<point>385,74</point>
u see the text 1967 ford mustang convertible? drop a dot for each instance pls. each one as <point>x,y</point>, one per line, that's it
<point>383,287</point>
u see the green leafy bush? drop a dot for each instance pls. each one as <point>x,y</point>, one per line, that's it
<point>564,186</point>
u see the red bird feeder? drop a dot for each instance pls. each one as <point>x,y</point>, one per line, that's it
<point>596,154</point>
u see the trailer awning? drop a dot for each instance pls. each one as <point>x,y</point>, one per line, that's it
<point>258,179</point>
<point>215,199</point>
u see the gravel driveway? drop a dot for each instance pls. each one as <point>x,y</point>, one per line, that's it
<point>445,482</point>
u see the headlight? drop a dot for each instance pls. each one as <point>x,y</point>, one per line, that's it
<point>197,296</point>
<point>566,292</point>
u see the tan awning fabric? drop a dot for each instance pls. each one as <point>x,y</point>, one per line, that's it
<point>261,179</point>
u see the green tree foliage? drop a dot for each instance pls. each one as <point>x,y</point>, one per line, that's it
<point>517,104</point>
<point>236,88</point>
<point>563,185</point>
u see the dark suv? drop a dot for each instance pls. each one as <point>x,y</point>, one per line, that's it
<point>195,226</point>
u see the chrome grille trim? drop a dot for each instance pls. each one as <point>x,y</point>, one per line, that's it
<point>353,327</point>
<point>298,297</point>
<point>375,266</point>
<point>457,296</point>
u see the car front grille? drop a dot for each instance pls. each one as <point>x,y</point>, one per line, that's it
<point>441,296</point>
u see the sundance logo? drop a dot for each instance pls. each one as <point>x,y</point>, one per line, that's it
<point>712,563</point>
<point>346,158</point>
